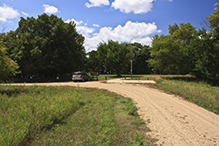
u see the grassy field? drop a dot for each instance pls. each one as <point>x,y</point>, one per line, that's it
<point>202,93</point>
<point>68,116</point>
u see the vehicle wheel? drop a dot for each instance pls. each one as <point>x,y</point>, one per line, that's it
<point>83,80</point>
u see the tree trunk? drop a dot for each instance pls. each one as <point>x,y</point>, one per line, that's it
<point>118,73</point>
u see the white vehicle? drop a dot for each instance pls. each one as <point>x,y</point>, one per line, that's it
<point>80,76</point>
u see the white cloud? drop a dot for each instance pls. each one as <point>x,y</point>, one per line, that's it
<point>50,9</point>
<point>170,0</point>
<point>82,28</point>
<point>25,13</point>
<point>131,32</point>
<point>135,6</point>
<point>144,41</point>
<point>7,12</point>
<point>96,25</point>
<point>97,3</point>
<point>76,22</point>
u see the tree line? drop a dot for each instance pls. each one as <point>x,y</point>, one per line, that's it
<point>113,57</point>
<point>44,47</point>
<point>187,50</point>
<point>47,46</point>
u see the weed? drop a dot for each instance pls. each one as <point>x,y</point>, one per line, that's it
<point>132,110</point>
<point>125,100</point>
<point>139,139</point>
<point>154,140</point>
<point>148,120</point>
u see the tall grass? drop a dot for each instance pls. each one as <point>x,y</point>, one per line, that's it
<point>102,121</point>
<point>41,115</point>
<point>26,111</point>
<point>199,92</point>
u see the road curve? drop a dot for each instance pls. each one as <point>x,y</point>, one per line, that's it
<point>174,121</point>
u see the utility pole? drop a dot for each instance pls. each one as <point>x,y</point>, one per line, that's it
<point>131,68</point>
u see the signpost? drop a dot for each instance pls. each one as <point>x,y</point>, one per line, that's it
<point>131,68</point>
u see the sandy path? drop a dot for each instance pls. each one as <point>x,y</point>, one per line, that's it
<point>174,121</point>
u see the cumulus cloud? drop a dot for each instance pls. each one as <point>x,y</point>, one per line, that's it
<point>144,41</point>
<point>130,32</point>
<point>7,12</point>
<point>24,13</point>
<point>82,27</point>
<point>135,6</point>
<point>95,25</point>
<point>97,3</point>
<point>50,9</point>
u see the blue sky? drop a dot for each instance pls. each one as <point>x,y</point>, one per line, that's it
<point>119,20</point>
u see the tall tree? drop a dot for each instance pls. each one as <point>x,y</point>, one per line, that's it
<point>8,67</point>
<point>92,62</point>
<point>206,49</point>
<point>47,46</point>
<point>140,54</point>
<point>113,57</point>
<point>213,19</point>
<point>205,55</point>
<point>170,52</point>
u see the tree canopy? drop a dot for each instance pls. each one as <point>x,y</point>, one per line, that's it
<point>8,67</point>
<point>170,52</point>
<point>188,50</point>
<point>114,57</point>
<point>46,46</point>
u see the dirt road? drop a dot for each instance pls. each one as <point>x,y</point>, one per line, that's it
<point>174,121</point>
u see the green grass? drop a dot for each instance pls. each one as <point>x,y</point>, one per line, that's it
<point>26,111</point>
<point>199,92</point>
<point>68,116</point>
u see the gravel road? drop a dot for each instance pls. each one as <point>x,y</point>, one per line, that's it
<point>174,121</point>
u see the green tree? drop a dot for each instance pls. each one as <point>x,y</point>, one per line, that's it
<point>205,53</point>
<point>113,57</point>
<point>92,62</point>
<point>213,19</point>
<point>140,54</point>
<point>8,67</point>
<point>170,53</point>
<point>47,46</point>
<point>205,49</point>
